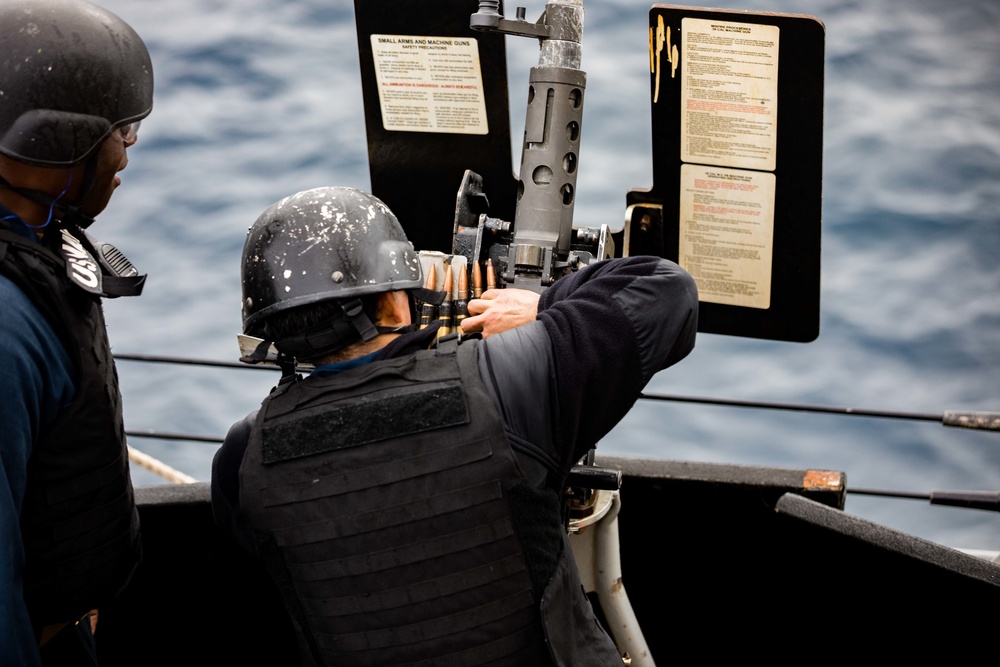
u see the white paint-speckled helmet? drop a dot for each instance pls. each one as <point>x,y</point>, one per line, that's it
<point>321,244</point>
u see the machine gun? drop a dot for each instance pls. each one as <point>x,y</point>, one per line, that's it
<point>540,244</point>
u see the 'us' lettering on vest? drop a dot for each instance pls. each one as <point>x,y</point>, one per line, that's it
<point>80,266</point>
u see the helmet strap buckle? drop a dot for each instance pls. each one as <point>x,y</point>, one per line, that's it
<point>355,313</point>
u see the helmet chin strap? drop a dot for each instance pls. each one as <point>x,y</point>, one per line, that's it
<point>71,213</point>
<point>350,325</point>
<point>403,328</point>
<point>67,213</point>
<point>347,326</point>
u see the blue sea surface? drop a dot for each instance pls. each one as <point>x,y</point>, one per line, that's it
<point>256,100</point>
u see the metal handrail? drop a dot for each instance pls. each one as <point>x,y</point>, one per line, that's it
<point>984,421</point>
<point>989,421</point>
<point>986,500</point>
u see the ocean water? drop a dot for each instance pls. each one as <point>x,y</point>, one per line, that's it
<point>256,100</point>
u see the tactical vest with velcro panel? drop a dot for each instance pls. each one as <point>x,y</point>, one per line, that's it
<point>380,496</point>
<point>79,520</point>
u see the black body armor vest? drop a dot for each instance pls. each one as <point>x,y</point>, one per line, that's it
<point>79,521</point>
<point>389,508</point>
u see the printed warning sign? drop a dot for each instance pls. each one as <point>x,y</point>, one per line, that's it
<point>729,93</point>
<point>727,233</point>
<point>430,84</point>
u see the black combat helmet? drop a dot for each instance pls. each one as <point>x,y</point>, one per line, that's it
<point>70,74</point>
<point>331,243</point>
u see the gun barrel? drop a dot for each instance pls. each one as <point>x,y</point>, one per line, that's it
<point>550,154</point>
<point>539,249</point>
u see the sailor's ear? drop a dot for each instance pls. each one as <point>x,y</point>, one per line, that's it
<point>393,309</point>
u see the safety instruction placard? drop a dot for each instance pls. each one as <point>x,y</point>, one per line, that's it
<point>729,93</point>
<point>430,84</point>
<point>727,233</point>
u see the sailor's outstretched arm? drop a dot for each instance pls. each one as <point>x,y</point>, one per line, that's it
<point>600,335</point>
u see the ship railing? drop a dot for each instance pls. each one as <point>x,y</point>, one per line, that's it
<point>987,421</point>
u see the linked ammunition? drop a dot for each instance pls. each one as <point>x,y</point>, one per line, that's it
<point>477,281</point>
<point>491,276</point>
<point>427,310</point>
<point>462,301</point>
<point>444,310</point>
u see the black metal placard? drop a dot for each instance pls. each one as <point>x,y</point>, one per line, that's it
<point>737,123</point>
<point>436,104</point>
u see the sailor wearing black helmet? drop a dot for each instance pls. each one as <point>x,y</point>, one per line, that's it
<point>406,496</point>
<point>75,81</point>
